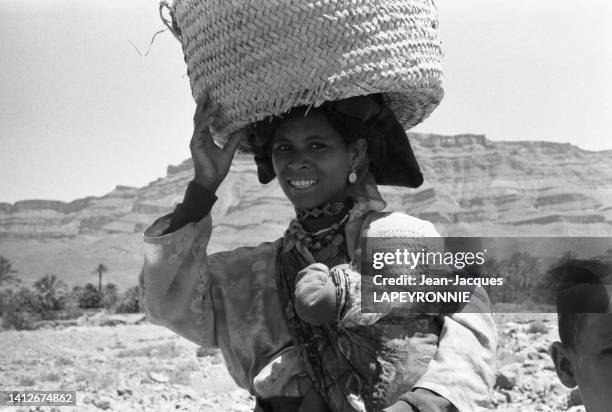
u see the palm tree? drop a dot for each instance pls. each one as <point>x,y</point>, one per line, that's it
<point>49,287</point>
<point>6,272</point>
<point>100,270</point>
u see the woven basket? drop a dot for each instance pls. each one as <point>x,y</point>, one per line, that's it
<point>258,58</point>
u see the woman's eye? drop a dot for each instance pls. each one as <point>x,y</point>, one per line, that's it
<point>317,146</point>
<point>282,148</point>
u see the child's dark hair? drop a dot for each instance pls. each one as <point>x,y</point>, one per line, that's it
<point>581,289</point>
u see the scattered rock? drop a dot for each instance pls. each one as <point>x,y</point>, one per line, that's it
<point>87,400</point>
<point>539,388</point>
<point>111,321</point>
<point>54,324</point>
<point>537,327</point>
<point>509,397</point>
<point>557,390</point>
<point>498,398</point>
<point>203,352</point>
<point>537,355</point>
<point>124,391</point>
<point>505,379</point>
<point>140,320</point>
<point>188,393</point>
<point>543,348</point>
<point>103,318</point>
<point>158,377</point>
<point>102,404</point>
<point>217,359</point>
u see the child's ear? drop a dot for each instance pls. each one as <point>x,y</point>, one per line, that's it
<point>563,364</point>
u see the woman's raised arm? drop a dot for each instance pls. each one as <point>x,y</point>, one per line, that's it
<point>174,280</point>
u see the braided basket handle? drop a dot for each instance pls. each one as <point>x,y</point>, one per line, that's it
<point>171,22</point>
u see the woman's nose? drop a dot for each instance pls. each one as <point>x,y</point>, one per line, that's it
<point>299,161</point>
<point>298,166</point>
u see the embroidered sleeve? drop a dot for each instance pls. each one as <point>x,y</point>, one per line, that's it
<point>463,368</point>
<point>174,280</point>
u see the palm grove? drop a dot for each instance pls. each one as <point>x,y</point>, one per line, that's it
<point>50,299</point>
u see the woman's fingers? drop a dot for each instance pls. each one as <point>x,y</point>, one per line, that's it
<point>206,113</point>
<point>233,141</point>
<point>200,106</point>
<point>204,107</point>
<point>204,117</point>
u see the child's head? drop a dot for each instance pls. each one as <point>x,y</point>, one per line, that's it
<point>584,355</point>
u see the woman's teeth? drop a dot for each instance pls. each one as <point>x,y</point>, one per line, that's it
<point>302,183</point>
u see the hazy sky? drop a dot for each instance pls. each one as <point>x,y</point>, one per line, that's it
<point>81,111</point>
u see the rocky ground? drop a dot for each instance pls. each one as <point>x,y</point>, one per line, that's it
<point>526,378</point>
<point>123,363</point>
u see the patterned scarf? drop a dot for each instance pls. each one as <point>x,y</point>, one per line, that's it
<point>328,352</point>
<point>341,363</point>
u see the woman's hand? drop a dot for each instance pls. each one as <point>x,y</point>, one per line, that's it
<point>210,162</point>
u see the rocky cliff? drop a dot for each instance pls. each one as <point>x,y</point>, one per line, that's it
<point>474,186</point>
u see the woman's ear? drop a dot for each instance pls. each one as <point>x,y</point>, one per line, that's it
<point>357,151</point>
<point>563,364</point>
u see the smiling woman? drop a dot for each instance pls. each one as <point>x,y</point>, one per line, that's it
<point>277,310</point>
<point>287,314</point>
<point>312,161</point>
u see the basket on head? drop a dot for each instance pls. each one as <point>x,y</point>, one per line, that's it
<point>258,58</point>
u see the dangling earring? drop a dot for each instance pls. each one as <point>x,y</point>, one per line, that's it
<point>352,177</point>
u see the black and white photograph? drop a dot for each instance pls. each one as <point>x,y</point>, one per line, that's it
<point>306,206</point>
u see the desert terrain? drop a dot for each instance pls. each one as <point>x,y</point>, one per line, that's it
<point>123,363</point>
<point>473,187</point>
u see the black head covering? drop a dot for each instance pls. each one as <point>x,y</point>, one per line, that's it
<point>391,159</point>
